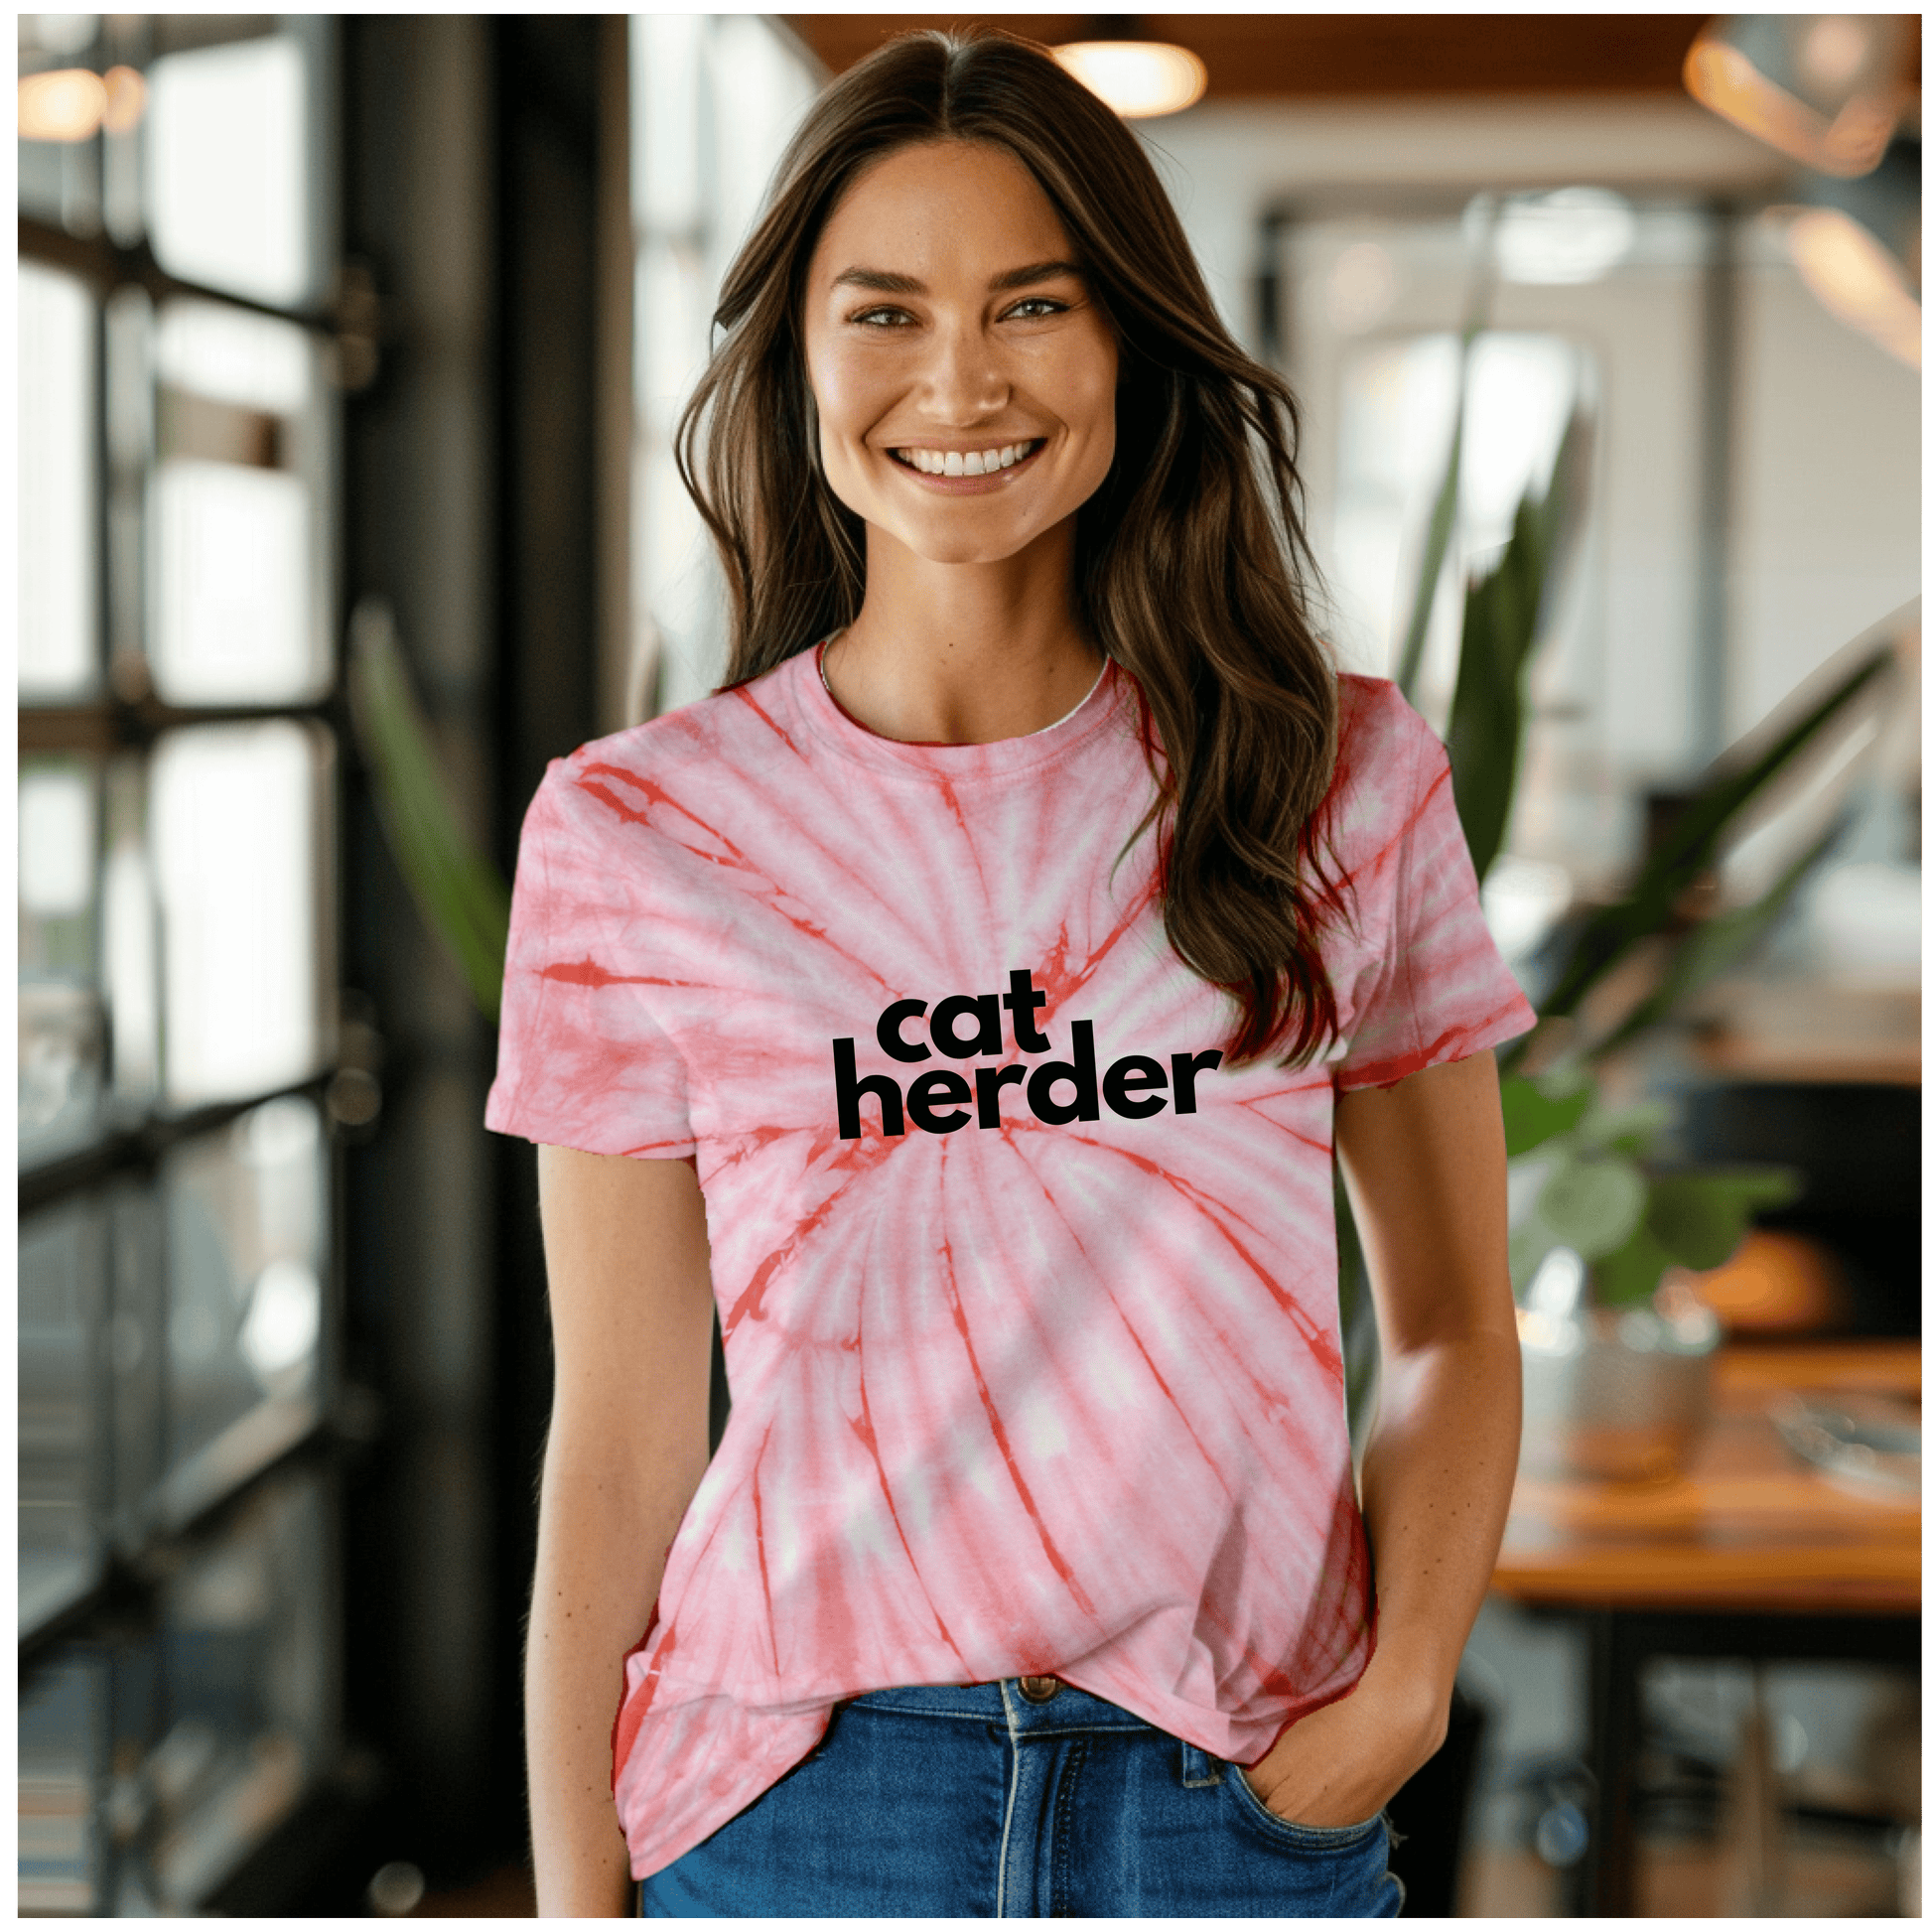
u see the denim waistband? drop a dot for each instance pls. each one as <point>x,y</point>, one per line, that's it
<point>1002,1702</point>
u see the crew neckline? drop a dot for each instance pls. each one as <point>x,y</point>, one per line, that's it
<point>1000,757</point>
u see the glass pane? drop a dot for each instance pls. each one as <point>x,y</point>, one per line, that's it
<point>58,596</point>
<point>62,1259</point>
<point>136,1349</point>
<point>55,36</point>
<point>61,1028</point>
<point>232,356</point>
<point>715,99</point>
<point>760,90</point>
<point>130,969</point>
<point>134,1727</point>
<point>58,847</point>
<point>245,1235</point>
<point>679,577</point>
<point>246,1628</point>
<point>667,187</point>
<point>232,816</point>
<point>239,606</point>
<point>62,1708</point>
<point>228,154</point>
<point>60,180</point>
<point>231,592</point>
<point>42,168</point>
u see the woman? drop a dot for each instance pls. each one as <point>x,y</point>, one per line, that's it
<point>968,999</point>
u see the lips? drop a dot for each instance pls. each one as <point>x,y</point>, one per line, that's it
<point>988,461</point>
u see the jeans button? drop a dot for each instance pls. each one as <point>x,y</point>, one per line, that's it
<point>1037,1689</point>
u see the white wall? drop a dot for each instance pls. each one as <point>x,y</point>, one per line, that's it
<point>1829,512</point>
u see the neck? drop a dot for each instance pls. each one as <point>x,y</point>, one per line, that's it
<point>964,653</point>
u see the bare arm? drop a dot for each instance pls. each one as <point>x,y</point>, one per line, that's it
<point>1425,1165</point>
<point>631,1315</point>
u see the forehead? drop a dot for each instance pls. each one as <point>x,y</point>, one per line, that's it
<point>959,204</point>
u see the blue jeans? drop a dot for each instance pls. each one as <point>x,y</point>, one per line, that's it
<point>975,1802</point>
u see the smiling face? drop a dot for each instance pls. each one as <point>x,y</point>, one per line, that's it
<point>963,375</point>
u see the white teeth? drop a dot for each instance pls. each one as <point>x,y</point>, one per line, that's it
<point>969,463</point>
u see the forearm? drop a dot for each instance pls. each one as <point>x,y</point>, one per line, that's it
<point>1436,1486</point>
<point>1435,1482</point>
<point>601,1548</point>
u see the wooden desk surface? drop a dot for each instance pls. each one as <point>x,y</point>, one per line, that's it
<point>1749,1527</point>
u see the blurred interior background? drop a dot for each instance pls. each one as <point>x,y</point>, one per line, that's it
<point>351,347</point>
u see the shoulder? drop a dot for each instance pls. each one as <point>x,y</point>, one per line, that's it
<point>684,760</point>
<point>1382,738</point>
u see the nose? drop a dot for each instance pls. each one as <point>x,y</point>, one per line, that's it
<point>963,381</point>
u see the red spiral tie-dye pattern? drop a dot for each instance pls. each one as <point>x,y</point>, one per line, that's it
<point>1006,1398</point>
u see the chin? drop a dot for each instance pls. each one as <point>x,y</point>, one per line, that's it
<point>957,548</point>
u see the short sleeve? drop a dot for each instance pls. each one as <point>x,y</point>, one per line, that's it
<point>581,1060</point>
<point>1439,991</point>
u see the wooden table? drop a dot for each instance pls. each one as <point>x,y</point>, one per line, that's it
<point>1752,1552</point>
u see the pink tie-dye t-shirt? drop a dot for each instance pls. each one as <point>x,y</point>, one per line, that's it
<point>1029,1305</point>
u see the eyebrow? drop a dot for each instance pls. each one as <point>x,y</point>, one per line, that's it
<point>883,281</point>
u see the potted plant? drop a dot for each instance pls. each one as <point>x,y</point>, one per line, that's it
<point>1616,1355</point>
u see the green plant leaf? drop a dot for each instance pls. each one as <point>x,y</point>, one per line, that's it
<point>460,893</point>
<point>1442,512</point>
<point>1629,1275</point>
<point>1532,1116</point>
<point>1593,1204</point>
<point>1503,616</point>
<point>1442,527</point>
<point>1693,843</point>
<point>1699,1218</point>
<point>1710,949</point>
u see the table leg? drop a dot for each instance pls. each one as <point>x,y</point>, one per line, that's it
<point>1619,1642</point>
<point>1615,1735</point>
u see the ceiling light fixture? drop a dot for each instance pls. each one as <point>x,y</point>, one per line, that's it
<point>1136,79</point>
<point>1824,88</point>
<point>1856,277</point>
<point>66,104</point>
<point>1857,245</point>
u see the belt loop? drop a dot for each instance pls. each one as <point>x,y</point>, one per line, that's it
<point>1197,1768</point>
<point>1011,1709</point>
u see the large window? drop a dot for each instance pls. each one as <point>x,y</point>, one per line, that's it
<point>177,664</point>
<point>714,98</point>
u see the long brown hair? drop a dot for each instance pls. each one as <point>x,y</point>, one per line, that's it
<point>1191,560</point>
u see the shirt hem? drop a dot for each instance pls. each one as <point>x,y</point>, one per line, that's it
<point>1461,1044</point>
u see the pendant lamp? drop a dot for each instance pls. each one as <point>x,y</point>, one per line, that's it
<point>1137,78</point>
